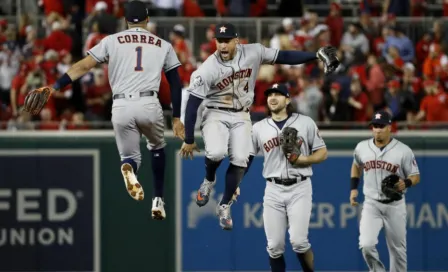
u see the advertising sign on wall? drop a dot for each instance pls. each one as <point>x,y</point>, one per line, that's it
<point>49,210</point>
<point>204,246</point>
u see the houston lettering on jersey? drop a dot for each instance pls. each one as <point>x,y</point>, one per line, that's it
<point>237,75</point>
<point>141,38</point>
<point>380,165</point>
<point>269,145</point>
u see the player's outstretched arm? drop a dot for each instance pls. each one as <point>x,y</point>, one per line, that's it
<point>325,54</point>
<point>294,57</point>
<point>36,99</point>
<point>191,113</point>
<point>176,99</point>
<point>76,71</point>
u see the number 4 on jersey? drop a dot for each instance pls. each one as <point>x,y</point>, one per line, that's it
<point>246,88</point>
<point>139,67</point>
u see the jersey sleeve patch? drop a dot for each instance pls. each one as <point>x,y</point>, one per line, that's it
<point>198,82</point>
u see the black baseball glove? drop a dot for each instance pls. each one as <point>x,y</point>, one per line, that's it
<point>291,143</point>
<point>327,55</point>
<point>36,99</point>
<point>389,187</point>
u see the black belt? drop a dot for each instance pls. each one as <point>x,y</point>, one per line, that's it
<point>228,109</point>
<point>386,201</point>
<point>147,93</point>
<point>286,182</point>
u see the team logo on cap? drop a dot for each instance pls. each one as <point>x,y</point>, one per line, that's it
<point>275,86</point>
<point>378,116</point>
<point>222,29</point>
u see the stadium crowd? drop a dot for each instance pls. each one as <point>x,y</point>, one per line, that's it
<point>380,66</point>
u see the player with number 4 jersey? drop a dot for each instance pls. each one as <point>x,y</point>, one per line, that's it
<point>225,83</point>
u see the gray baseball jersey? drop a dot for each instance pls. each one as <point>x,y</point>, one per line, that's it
<point>377,163</point>
<point>395,158</point>
<point>135,60</point>
<point>286,206</point>
<point>265,137</point>
<point>231,83</point>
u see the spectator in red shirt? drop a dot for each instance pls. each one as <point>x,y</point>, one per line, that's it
<point>380,41</point>
<point>47,122</point>
<point>422,49</point>
<point>394,59</point>
<point>434,106</point>
<point>77,122</point>
<point>210,35</point>
<point>359,102</point>
<point>412,83</point>
<point>93,38</point>
<point>97,96</point>
<point>17,98</point>
<point>375,82</point>
<point>57,40</point>
<point>336,24</point>
<point>191,8</point>
<point>52,6</point>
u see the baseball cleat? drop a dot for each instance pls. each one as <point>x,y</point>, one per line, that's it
<point>133,187</point>
<point>225,218</point>
<point>204,192</point>
<point>158,211</point>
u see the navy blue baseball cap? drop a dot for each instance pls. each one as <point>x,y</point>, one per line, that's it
<point>136,11</point>
<point>381,117</point>
<point>277,88</point>
<point>225,31</point>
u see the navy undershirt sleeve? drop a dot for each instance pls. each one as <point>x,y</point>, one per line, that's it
<point>251,158</point>
<point>191,113</point>
<point>294,57</point>
<point>176,90</point>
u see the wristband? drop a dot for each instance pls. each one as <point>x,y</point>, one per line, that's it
<point>62,82</point>
<point>354,182</point>
<point>408,182</point>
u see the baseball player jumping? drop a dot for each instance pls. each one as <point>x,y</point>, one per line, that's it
<point>135,58</point>
<point>290,144</point>
<point>226,82</point>
<point>389,168</point>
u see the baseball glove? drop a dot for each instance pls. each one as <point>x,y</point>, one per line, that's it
<point>327,55</point>
<point>36,99</point>
<point>291,143</point>
<point>389,187</point>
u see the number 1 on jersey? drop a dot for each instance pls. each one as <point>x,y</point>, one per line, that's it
<point>139,67</point>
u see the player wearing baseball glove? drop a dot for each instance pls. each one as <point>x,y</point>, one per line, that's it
<point>291,143</point>
<point>36,99</point>
<point>389,186</point>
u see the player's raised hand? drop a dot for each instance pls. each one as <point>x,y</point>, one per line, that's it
<point>353,196</point>
<point>187,150</point>
<point>178,129</point>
